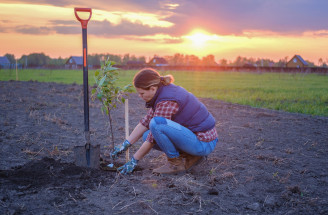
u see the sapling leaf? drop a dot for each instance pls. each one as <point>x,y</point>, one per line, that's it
<point>99,95</point>
<point>97,73</point>
<point>102,81</point>
<point>111,68</point>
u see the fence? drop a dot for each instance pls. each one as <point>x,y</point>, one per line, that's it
<point>322,70</point>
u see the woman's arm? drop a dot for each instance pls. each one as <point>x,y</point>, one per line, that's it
<point>143,150</point>
<point>135,136</point>
<point>137,133</point>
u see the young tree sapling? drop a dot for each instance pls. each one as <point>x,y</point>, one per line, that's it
<point>107,91</point>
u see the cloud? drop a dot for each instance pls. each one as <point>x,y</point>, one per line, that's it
<point>158,38</point>
<point>60,3</point>
<point>122,5</point>
<point>98,28</point>
<point>67,30</point>
<point>33,30</point>
<point>63,22</point>
<point>105,28</point>
<point>65,26</point>
<point>321,33</point>
<point>233,17</point>
<point>2,30</point>
<point>220,17</point>
<point>5,21</point>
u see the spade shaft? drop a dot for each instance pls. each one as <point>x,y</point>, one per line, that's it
<point>89,152</point>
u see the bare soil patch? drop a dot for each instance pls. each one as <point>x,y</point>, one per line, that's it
<point>266,162</point>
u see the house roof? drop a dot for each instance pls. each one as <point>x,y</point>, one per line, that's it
<point>158,60</point>
<point>4,60</point>
<point>78,60</point>
<point>300,59</point>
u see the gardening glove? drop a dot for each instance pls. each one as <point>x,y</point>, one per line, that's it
<point>128,167</point>
<point>119,150</point>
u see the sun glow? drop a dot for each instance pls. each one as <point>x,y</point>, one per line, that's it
<point>199,38</point>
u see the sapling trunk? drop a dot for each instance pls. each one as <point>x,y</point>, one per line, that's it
<point>111,127</point>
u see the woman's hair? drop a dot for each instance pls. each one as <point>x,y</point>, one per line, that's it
<point>148,77</point>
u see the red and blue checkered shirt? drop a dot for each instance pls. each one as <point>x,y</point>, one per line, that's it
<point>167,109</point>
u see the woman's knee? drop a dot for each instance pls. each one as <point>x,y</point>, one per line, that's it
<point>155,121</point>
<point>211,146</point>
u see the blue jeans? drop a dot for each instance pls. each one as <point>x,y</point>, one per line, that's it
<point>172,138</point>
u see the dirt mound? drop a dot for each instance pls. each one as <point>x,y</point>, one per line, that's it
<point>47,182</point>
<point>266,162</point>
<point>48,172</point>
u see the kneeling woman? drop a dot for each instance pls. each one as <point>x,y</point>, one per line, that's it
<point>177,123</point>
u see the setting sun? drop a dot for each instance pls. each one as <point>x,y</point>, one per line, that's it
<point>199,38</point>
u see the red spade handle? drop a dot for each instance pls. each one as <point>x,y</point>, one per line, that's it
<point>84,22</point>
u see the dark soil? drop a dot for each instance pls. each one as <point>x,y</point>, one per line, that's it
<point>266,162</point>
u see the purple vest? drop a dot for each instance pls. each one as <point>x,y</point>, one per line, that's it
<point>192,114</point>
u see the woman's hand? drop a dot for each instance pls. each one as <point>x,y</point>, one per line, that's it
<point>128,167</point>
<point>119,150</point>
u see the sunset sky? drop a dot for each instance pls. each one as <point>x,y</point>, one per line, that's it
<point>272,29</point>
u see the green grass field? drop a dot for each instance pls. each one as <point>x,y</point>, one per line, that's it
<point>298,93</point>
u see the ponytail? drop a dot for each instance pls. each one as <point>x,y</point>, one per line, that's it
<point>167,79</point>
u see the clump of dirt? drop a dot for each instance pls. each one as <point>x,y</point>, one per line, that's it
<point>50,172</point>
<point>266,162</point>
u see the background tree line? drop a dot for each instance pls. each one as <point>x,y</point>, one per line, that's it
<point>42,60</point>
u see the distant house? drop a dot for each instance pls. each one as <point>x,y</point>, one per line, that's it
<point>297,62</point>
<point>158,61</point>
<point>4,63</point>
<point>74,62</point>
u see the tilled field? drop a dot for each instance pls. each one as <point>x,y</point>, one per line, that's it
<point>266,162</point>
